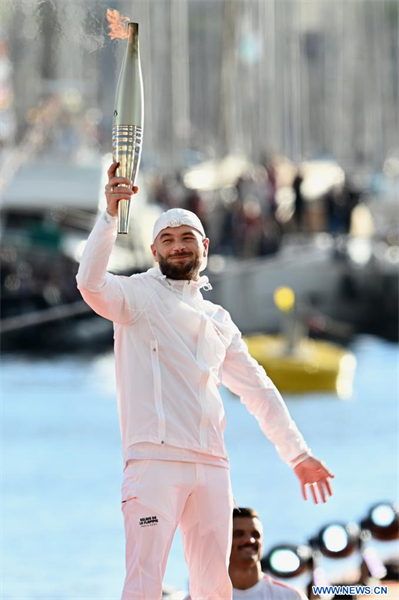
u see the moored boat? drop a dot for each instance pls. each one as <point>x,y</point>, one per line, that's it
<point>311,365</point>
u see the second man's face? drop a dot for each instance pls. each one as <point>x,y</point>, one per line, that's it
<point>179,252</point>
<point>247,546</point>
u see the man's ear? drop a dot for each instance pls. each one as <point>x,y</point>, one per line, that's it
<point>154,252</point>
<point>205,242</point>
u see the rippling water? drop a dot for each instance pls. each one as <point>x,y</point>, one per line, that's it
<point>62,529</point>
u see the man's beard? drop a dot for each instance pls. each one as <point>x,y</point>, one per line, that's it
<point>187,269</point>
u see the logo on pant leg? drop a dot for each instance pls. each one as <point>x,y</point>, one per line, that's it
<point>148,521</point>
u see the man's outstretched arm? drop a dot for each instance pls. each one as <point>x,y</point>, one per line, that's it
<point>248,380</point>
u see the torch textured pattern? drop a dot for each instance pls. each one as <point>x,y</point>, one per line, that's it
<point>126,150</point>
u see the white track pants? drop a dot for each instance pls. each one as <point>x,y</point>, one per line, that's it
<point>157,496</point>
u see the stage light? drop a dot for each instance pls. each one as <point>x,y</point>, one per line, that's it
<point>286,561</point>
<point>338,540</point>
<point>382,521</point>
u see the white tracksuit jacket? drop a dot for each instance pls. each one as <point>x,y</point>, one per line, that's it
<point>269,589</point>
<point>173,349</point>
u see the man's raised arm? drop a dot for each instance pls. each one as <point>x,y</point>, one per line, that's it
<point>108,295</point>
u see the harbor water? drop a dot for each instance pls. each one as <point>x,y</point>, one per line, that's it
<point>62,528</point>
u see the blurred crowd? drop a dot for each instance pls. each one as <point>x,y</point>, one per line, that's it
<point>250,218</point>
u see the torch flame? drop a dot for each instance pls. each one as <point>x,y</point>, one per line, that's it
<point>117,25</point>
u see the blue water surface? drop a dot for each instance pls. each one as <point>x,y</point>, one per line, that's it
<point>62,529</point>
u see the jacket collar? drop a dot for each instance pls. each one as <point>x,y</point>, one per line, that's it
<point>181,285</point>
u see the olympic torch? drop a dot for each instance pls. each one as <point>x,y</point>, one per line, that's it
<point>127,130</point>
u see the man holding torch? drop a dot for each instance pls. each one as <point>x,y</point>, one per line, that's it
<point>173,349</point>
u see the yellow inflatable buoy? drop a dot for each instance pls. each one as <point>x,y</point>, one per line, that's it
<point>284,299</point>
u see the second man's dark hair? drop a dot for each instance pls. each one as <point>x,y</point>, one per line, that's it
<point>245,512</point>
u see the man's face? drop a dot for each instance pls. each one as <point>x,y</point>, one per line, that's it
<point>179,251</point>
<point>247,546</point>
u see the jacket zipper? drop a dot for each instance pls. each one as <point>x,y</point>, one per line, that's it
<point>158,390</point>
<point>202,386</point>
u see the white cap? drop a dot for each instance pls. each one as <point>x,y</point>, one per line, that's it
<point>175,217</point>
